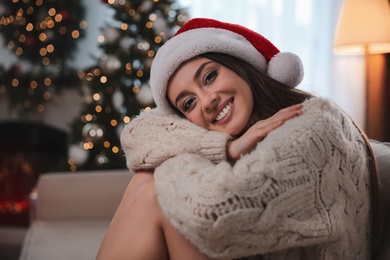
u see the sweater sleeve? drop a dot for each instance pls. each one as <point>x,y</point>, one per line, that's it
<point>287,193</point>
<point>153,137</point>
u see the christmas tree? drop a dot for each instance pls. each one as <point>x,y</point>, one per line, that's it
<point>117,88</point>
<point>42,34</point>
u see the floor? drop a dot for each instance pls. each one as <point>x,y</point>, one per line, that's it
<point>11,241</point>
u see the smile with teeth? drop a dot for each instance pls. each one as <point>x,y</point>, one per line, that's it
<point>224,112</point>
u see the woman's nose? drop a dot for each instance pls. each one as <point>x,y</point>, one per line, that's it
<point>209,102</point>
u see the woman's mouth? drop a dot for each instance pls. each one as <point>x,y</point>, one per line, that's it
<point>224,112</point>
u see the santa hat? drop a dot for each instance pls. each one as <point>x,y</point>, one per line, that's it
<point>202,35</point>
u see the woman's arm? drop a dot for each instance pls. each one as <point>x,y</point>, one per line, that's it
<point>153,137</point>
<point>294,190</point>
<point>245,143</point>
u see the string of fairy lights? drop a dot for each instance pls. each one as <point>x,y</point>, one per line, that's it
<point>118,86</point>
<point>42,34</point>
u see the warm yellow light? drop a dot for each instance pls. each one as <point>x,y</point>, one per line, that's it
<point>30,10</point>
<point>98,109</point>
<point>88,117</point>
<point>22,38</point>
<point>47,82</point>
<point>114,122</point>
<point>40,108</point>
<point>81,74</point>
<point>126,119</point>
<point>363,27</point>
<point>101,38</point>
<point>58,18</point>
<point>29,27</point>
<point>46,95</point>
<point>19,13</point>
<point>103,79</point>
<point>46,61</point>
<point>149,25</point>
<point>75,34</point>
<point>52,12</point>
<point>140,73</point>
<point>115,149</point>
<point>43,51</point>
<point>50,23</point>
<point>42,37</point>
<point>151,53</point>
<point>50,48</point>
<point>19,51</point>
<point>157,39</point>
<point>124,26</point>
<point>96,96</point>
<point>15,83</point>
<point>33,84</point>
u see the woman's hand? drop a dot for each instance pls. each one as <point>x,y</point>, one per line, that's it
<point>245,143</point>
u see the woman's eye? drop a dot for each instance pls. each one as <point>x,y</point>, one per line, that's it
<point>210,77</point>
<point>187,104</point>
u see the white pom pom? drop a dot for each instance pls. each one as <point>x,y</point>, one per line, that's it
<point>287,68</point>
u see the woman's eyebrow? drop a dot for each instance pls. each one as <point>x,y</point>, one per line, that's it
<point>199,70</point>
<point>180,96</point>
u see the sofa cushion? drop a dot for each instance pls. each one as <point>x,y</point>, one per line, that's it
<point>64,240</point>
<point>85,195</point>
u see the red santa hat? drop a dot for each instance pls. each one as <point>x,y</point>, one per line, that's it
<point>202,35</point>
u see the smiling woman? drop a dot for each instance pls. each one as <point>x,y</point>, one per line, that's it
<point>236,162</point>
<point>212,96</point>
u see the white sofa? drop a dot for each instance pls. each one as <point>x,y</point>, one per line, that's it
<point>72,213</point>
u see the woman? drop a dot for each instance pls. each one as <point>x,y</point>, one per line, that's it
<point>243,164</point>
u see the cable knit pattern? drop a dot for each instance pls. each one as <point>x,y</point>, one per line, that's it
<point>302,193</point>
<point>153,137</point>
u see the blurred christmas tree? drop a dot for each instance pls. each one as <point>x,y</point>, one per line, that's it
<point>117,87</point>
<point>42,33</point>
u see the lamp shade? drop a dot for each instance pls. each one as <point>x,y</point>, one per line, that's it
<point>363,27</point>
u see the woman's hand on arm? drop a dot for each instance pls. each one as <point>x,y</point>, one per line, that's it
<point>245,143</point>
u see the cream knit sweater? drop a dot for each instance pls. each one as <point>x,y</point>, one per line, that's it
<point>302,193</point>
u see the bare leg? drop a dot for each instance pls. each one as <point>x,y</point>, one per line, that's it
<point>140,230</point>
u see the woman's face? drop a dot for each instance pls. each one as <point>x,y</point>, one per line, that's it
<point>211,95</point>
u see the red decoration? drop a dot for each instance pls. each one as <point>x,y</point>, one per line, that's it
<point>105,1</point>
<point>16,68</point>
<point>65,14</point>
<point>30,41</point>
